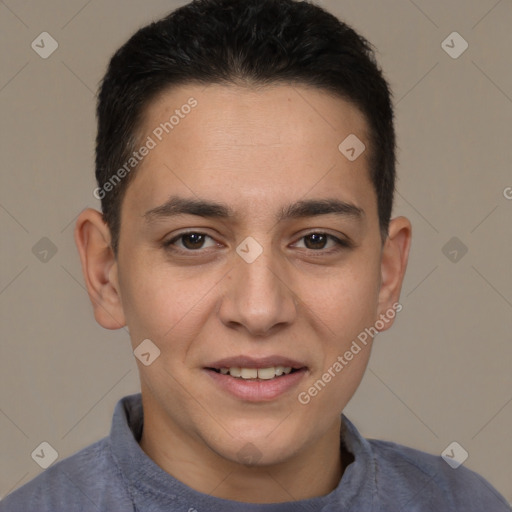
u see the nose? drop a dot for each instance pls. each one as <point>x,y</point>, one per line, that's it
<point>258,297</point>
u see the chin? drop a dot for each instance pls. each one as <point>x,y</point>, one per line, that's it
<point>271,444</point>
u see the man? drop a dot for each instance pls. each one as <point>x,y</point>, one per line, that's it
<point>245,163</point>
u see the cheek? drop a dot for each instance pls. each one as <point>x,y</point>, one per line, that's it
<point>161,303</point>
<point>346,300</point>
<point>350,309</point>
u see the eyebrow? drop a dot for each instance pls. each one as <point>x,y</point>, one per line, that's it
<point>176,206</point>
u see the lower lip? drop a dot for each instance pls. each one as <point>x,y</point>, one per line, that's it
<point>257,390</point>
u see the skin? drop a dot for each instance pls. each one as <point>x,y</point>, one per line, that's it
<point>256,150</point>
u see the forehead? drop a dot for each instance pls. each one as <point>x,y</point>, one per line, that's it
<point>250,146</point>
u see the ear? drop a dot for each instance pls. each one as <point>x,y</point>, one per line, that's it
<point>395,254</point>
<point>99,266</point>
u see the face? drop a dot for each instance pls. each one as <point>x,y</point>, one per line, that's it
<point>274,278</point>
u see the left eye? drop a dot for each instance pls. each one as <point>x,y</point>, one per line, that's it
<point>318,241</point>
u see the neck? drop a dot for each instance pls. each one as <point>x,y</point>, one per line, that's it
<point>313,471</point>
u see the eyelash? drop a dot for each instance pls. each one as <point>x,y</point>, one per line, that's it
<point>340,244</point>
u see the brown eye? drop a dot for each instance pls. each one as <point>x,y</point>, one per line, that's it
<point>317,241</point>
<point>191,241</point>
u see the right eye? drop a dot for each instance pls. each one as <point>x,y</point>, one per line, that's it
<point>191,241</point>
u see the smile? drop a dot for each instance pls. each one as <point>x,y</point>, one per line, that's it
<point>256,380</point>
<point>255,373</point>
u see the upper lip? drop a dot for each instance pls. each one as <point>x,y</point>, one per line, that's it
<point>255,362</point>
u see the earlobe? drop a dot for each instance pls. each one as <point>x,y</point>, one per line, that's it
<point>99,267</point>
<point>395,255</point>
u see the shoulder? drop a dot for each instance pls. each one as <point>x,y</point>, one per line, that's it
<point>86,481</point>
<point>421,478</point>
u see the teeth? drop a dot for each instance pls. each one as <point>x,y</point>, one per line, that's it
<point>249,373</point>
<point>266,373</point>
<point>256,373</point>
<point>235,372</point>
<point>280,370</point>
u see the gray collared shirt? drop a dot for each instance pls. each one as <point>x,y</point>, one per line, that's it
<point>115,475</point>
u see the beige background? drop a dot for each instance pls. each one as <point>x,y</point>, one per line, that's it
<point>442,373</point>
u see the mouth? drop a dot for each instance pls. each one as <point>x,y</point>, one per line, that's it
<point>269,373</point>
<point>254,380</point>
